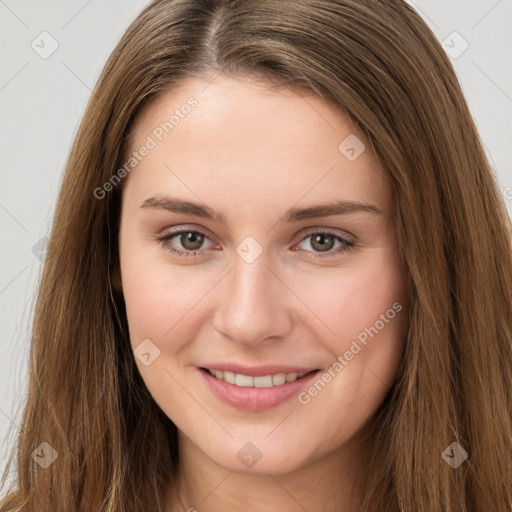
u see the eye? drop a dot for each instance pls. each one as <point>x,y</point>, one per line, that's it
<point>324,242</point>
<point>192,240</point>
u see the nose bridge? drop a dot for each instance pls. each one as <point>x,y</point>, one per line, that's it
<point>251,308</point>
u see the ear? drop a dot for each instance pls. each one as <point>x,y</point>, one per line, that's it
<point>116,279</point>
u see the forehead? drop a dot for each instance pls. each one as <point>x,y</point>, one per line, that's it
<point>254,140</point>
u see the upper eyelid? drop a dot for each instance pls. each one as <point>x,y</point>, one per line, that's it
<point>302,237</point>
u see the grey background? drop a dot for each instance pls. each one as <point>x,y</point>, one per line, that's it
<point>42,101</point>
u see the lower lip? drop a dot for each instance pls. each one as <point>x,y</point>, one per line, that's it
<point>255,399</point>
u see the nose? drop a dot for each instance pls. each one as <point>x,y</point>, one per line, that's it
<point>254,303</point>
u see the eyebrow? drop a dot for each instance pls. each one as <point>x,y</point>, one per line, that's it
<point>292,215</point>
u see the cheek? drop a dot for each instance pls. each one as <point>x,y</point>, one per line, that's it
<point>361,320</point>
<point>162,304</point>
<point>352,298</point>
<point>160,300</point>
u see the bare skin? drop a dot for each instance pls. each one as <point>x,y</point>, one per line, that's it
<point>251,154</point>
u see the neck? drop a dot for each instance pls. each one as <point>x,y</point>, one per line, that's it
<point>331,483</point>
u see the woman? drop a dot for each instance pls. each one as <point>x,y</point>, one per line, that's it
<point>279,276</point>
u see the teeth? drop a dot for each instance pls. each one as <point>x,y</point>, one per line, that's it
<point>240,380</point>
<point>264,381</point>
<point>278,379</point>
<point>229,377</point>
<point>290,377</point>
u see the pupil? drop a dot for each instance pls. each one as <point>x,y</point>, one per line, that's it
<point>191,240</point>
<point>318,242</point>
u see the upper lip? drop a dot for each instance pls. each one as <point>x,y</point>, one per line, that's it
<point>257,371</point>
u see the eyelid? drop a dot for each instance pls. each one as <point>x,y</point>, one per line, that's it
<point>330,231</point>
<point>298,238</point>
<point>185,229</point>
<point>348,242</point>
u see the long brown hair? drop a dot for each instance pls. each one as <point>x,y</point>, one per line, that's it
<point>379,63</point>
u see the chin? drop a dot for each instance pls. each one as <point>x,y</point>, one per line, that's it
<point>254,459</point>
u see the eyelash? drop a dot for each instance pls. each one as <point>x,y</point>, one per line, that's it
<point>166,238</point>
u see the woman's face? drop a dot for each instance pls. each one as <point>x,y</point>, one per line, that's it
<point>274,274</point>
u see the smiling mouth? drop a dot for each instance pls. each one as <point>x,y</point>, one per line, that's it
<point>263,381</point>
